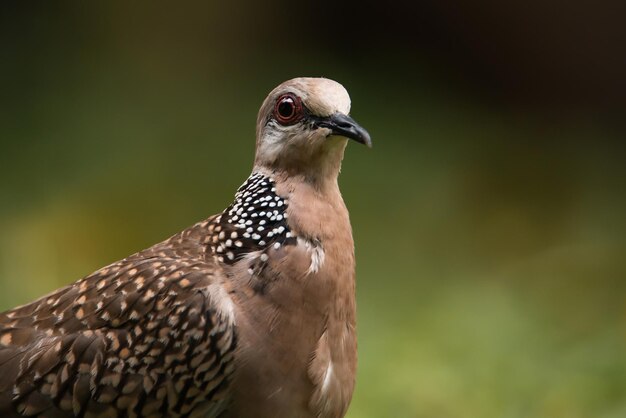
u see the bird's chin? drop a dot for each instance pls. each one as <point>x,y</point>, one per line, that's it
<point>336,138</point>
<point>335,141</point>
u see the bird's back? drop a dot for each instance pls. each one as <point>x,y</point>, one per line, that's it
<point>150,335</point>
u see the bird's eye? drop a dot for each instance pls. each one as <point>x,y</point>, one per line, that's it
<point>288,109</point>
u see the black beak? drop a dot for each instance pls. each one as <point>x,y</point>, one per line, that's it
<point>344,125</point>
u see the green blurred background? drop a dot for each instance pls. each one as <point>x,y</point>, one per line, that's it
<point>489,217</point>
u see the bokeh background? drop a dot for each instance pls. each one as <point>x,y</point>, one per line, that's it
<point>489,218</point>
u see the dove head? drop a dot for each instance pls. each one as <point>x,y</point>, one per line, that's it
<point>303,128</point>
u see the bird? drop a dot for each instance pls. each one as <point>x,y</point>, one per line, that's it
<point>248,313</point>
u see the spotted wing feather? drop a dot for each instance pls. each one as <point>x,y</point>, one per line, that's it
<point>151,335</point>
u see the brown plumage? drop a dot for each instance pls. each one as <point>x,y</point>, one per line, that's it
<point>250,313</point>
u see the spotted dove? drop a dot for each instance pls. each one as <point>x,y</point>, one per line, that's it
<point>249,313</point>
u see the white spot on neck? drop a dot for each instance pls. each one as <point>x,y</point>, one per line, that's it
<point>317,254</point>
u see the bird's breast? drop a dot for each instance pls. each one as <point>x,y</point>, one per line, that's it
<point>296,311</point>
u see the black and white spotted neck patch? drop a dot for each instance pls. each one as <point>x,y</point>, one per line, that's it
<point>255,221</point>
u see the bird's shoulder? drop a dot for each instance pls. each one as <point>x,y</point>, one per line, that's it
<point>155,278</point>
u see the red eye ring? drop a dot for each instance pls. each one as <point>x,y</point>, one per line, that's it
<point>288,109</point>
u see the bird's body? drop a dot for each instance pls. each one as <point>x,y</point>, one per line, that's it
<point>250,313</point>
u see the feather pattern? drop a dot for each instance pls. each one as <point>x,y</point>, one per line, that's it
<point>143,336</point>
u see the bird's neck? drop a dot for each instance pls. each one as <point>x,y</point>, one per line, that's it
<point>273,211</point>
<point>316,208</point>
<point>316,167</point>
